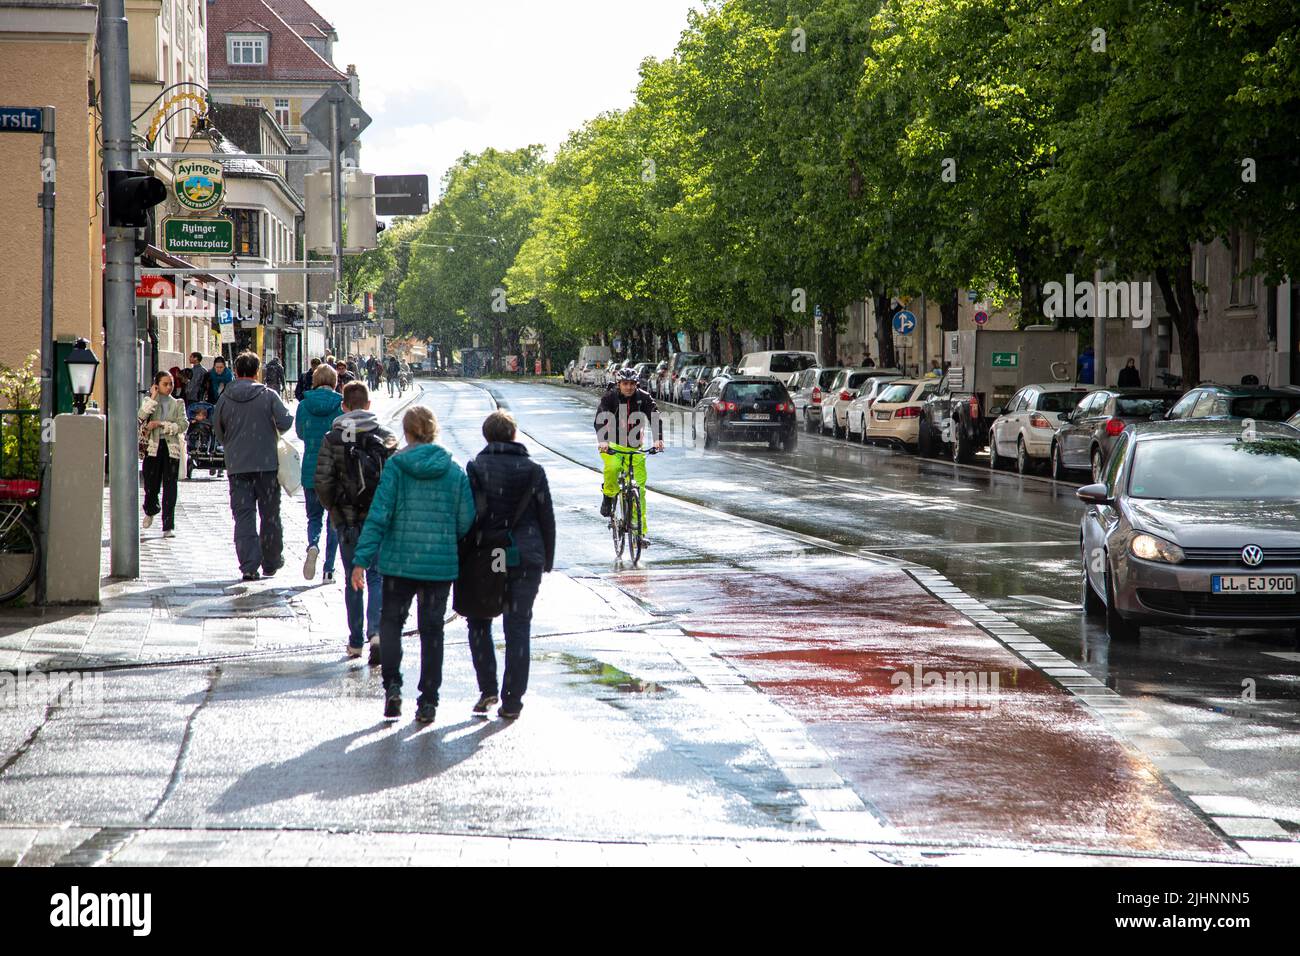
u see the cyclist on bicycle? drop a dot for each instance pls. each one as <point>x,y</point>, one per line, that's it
<point>621,423</point>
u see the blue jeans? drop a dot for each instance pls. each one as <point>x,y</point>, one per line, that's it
<point>517,622</point>
<point>430,604</point>
<point>315,518</point>
<point>363,608</point>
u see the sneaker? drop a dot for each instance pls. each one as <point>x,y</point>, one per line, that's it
<point>252,576</point>
<point>510,711</point>
<point>148,521</point>
<point>327,577</point>
<point>354,650</point>
<point>485,703</point>
<point>309,566</point>
<point>606,506</point>
<point>425,713</point>
<point>169,533</point>
<point>375,659</point>
<point>393,703</point>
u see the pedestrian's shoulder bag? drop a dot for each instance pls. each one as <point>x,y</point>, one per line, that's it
<point>480,589</point>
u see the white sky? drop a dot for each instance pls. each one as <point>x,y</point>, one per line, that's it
<point>440,77</point>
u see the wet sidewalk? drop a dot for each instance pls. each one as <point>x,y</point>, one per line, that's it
<point>189,603</point>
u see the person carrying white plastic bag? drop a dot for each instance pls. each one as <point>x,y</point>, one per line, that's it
<point>249,419</point>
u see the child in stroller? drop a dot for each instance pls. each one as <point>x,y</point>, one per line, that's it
<point>201,447</point>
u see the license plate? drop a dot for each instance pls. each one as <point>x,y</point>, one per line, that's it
<point>756,418</point>
<point>884,416</point>
<point>1252,583</point>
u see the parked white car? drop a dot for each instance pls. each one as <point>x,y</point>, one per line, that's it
<point>1026,426</point>
<point>835,402</point>
<point>807,392</point>
<point>782,366</point>
<point>592,373</point>
<point>860,408</point>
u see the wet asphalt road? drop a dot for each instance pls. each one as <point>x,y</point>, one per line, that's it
<point>1011,542</point>
<point>692,700</point>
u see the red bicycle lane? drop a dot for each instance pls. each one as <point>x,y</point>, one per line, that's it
<point>940,727</point>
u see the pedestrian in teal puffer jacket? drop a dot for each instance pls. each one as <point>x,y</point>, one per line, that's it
<point>421,509</point>
<point>315,417</point>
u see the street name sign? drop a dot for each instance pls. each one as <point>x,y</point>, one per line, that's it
<point>22,119</point>
<point>199,237</point>
<point>1006,359</point>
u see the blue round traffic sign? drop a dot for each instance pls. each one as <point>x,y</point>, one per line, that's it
<point>981,317</point>
<point>904,322</point>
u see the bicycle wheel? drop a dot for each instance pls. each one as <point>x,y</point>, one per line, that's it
<point>20,552</point>
<point>634,525</point>
<point>616,524</point>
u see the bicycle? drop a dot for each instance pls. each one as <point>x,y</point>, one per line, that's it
<point>20,542</point>
<point>625,517</point>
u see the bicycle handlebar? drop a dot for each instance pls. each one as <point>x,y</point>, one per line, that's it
<point>634,451</point>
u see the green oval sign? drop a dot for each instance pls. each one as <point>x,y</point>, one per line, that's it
<point>199,184</point>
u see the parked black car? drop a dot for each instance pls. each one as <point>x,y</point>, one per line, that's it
<point>1087,433</point>
<point>1237,401</point>
<point>745,409</point>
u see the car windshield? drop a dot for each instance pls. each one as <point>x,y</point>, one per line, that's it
<point>1217,468</point>
<point>1059,401</point>
<point>784,362</point>
<point>1143,407</point>
<point>746,392</point>
<point>1268,408</point>
<point>896,393</point>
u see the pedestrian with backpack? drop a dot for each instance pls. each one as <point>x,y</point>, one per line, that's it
<point>348,469</point>
<point>422,508</point>
<point>515,521</point>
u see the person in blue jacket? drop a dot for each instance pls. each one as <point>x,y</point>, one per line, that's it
<point>421,510</point>
<point>316,413</point>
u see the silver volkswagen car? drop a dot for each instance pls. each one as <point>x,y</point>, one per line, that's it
<point>1195,522</point>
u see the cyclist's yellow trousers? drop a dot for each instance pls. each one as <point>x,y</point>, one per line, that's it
<point>614,463</point>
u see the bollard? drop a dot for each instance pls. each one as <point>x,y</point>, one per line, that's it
<point>76,510</point>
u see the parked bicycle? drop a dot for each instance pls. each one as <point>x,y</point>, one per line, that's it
<point>20,542</point>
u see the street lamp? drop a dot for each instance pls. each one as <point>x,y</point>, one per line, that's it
<point>82,366</point>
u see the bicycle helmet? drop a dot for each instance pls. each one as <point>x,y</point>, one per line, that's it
<point>627,375</point>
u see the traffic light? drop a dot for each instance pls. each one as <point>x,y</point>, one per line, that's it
<point>130,197</point>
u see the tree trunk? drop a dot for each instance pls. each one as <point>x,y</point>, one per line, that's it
<point>693,338</point>
<point>830,336</point>
<point>1180,299</point>
<point>737,345</point>
<point>885,331</point>
<point>948,313</point>
<point>778,331</point>
<point>668,344</point>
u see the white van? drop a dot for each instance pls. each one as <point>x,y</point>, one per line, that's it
<point>595,353</point>
<point>783,366</point>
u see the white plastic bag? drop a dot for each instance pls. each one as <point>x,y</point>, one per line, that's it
<point>290,468</point>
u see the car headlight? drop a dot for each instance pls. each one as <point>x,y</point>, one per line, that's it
<point>1150,548</point>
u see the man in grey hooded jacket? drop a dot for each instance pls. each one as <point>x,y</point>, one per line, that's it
<point>249,419</point>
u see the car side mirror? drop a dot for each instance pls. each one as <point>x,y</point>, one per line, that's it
<point>996,410</point>
<point>1064,416</point>
<point>1095,495</point>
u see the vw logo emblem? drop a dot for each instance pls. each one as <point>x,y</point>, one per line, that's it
<point>1252,555</point>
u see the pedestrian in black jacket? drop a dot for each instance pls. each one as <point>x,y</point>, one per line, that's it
<point>304,380</point>
<point>348,467</point>
<point>500,477</point>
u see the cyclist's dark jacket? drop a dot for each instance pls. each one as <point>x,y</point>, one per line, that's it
<point>622,421</point>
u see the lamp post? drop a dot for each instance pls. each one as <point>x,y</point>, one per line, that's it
<point>82,366</point>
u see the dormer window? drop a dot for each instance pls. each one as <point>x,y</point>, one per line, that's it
<point>246,49</point>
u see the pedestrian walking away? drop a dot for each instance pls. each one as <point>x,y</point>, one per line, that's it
<point>304,380</point>
<point>315,415</point>
<point>249,421</point>
<point>197,388</point>
<point>513,507</point>
<point>163,422</point>
<point>391,372</point>
<point>273,375</point>
<point>422,508</point>
<point>348,469</point>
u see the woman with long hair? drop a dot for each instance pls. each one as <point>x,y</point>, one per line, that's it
<point>163,421</point>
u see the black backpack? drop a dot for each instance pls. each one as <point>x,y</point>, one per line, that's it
<point>364,465</point>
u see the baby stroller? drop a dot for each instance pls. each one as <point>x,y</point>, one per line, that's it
<point>202,449</point>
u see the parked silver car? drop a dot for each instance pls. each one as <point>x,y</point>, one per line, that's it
<point>1194,522</point>
<point>807,391</point>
